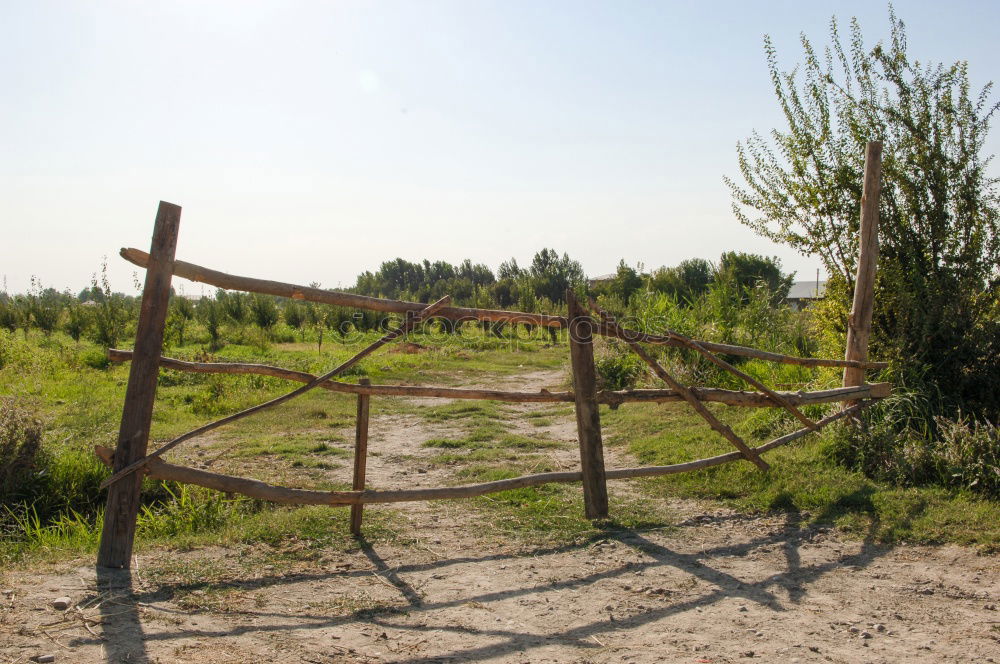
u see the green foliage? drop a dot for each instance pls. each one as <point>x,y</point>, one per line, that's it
<point>750,271</point>
<point>686,281</point>
<point>78,320</point>
<point>20,443</point>
<point>179,314</point>
<point>618,368</point>
<point>111,311</point>
<point>263,311</point>
<point>627,280</point>
<point>209,313</point>
<point>901,445</point>
<point>937,289</point>
<point>95,359</point>
<point>44,306</point>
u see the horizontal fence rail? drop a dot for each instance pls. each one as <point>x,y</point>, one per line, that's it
<point>158,469</point>
<point>250,284</point>
<point>609,397</point>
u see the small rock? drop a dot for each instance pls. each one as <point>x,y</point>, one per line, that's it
<point>853,630</point>
<point>814,648</point>
<point>988,607</point>
<point>43,658</point>
<point>925,591</point>
<point>748,653</point>
<point>879,627</point>
<point>866,635</point>
<point>61,603</point>
<point>743,609</point>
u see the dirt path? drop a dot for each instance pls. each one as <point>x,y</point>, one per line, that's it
<point>720,587</point>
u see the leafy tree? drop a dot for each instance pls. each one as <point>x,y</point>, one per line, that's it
<point>552,275</point>
<point>234,306</point>
<point>111,315</point>
<point>263,311</point>
<point>295,317</point>
<point>209,312</point>
<point>44,306</point>
<point>686,281</point>
<point>77,320</point>
<point>749,271</point>
<point>625,282</point>
<point>937,286</point>
<point>179,314</point>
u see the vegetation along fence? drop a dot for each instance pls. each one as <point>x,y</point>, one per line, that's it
<point>131,462</point>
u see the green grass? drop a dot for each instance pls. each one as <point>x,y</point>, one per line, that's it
<point>803,479</point>
<point>58,512</point>
<point>552,514</point>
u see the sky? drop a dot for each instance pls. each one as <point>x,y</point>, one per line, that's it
<point>309,141</point>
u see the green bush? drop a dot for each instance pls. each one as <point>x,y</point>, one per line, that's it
<point>900,444</point>
<point>618,368</point>
<point>20,445</point>
<point>95,359</point>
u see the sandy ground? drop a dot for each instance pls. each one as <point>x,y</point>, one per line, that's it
<point>720,587</point>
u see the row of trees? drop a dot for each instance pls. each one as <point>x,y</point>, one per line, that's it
<point>108,318</point>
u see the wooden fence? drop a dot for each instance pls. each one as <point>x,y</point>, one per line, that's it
<point>131,462</point>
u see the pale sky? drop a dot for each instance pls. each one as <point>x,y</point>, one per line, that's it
<point>308,141</point>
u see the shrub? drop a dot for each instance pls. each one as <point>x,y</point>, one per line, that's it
<point>20,445</point>
<point>902,445</point>
<point>618,368</point>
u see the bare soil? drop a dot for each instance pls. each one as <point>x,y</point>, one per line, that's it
<point>717,586</point>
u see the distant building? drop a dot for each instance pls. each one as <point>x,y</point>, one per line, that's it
<point>601,278</point>
<point>803,293</point>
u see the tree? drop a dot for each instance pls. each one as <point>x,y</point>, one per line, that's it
<point>264,312</point>
<point>625,282</point>
<point>749,271</point>
<point>552,275</point>
<point>209,312</point>
<point>686,281</point>
<point>936,291</point>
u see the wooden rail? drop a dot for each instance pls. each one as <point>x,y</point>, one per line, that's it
<point>608,397</point>
<point>158,469</point>
<point>337,298</point>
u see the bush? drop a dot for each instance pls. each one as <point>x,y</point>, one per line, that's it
<point>95,359</point>
<point>900,444</point>
<point>617,367</point>
<point>20,445</point>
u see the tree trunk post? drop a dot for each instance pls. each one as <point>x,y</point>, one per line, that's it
<point>122,509</point>
<point>588,417</point>
<point>360,456</point>
<point>860,321</point>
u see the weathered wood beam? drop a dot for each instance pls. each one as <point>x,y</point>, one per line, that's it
<point>118,531</point>
<point>250,284</point>
<point>859,323</point>
<point>611,397</point>
<point>588,416</point>
<point>159,469</point>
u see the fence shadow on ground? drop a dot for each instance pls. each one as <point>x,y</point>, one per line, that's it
<point>128,637</point>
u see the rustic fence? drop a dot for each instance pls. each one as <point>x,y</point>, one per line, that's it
<point>131,462</point>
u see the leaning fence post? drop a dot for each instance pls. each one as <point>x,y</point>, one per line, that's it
<point>860,321</point>
<point>122,509</point>
<point>360,456</point>
<point>588,417</point>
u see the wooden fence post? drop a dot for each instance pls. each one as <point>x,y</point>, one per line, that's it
<point>360,456</point>
<point>133,435</point>
<point>588,417</point>
<point>860,321</point>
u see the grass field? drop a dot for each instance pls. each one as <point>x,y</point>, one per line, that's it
<point>55,510</point>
